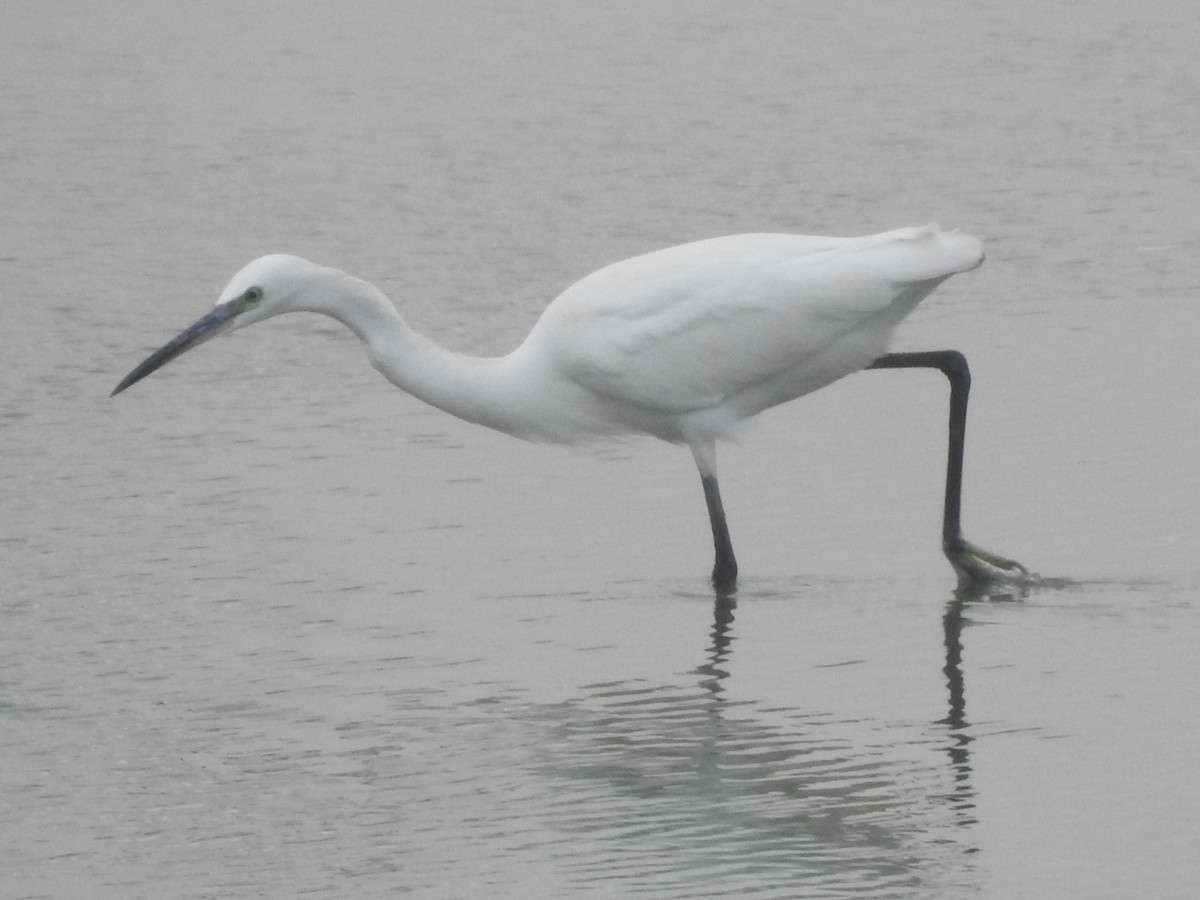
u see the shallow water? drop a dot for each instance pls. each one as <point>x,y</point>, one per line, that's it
<point>272,628</point>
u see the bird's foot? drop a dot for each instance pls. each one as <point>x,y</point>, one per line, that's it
<point>724,579</point>
<point>979,570</point>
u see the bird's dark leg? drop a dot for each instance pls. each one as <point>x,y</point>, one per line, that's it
<point>725,568</point>
<point>974,565</point>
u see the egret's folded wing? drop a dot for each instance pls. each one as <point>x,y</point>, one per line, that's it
<point>684,329</point>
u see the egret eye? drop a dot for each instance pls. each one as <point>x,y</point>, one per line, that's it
<point>253,295</point>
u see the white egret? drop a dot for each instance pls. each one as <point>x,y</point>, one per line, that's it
<point>682,344</point>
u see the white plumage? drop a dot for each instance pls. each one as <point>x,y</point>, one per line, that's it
<point>682,343</point>
<point>695,338</point>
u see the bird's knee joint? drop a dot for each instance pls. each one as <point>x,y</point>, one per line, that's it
<point>954,366</point>
<point>955,361</point>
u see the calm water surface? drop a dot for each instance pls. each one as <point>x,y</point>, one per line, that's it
<point>271,628</point>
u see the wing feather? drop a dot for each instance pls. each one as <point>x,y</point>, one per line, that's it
<point>689,327</point>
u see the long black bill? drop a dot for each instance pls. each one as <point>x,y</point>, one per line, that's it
<point>208,327</point>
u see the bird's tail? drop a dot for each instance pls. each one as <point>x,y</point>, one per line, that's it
<point>922,253</point>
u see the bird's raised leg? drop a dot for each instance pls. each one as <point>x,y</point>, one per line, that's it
<point>974,565</point>
<point>725,569</point>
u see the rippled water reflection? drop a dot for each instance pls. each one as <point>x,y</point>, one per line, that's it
<point>676,784</point>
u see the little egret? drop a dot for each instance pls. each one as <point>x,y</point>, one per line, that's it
<point>682,344</point>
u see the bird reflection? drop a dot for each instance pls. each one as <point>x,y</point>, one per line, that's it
<point>714,670</point>
<point>689,783</point>
<point>962,798</point>
<point>717,668</point>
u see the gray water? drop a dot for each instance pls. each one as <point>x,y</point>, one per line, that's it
<point>271,628</point>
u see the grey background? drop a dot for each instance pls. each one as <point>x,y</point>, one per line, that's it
<point>271,628</point>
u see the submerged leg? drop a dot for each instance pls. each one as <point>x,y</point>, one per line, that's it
<point>974,565</point>
<point>724,575</point>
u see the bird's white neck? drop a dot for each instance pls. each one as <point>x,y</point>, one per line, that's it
<point>497,392</point>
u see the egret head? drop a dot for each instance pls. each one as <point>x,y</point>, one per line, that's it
<point>266,287</point>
